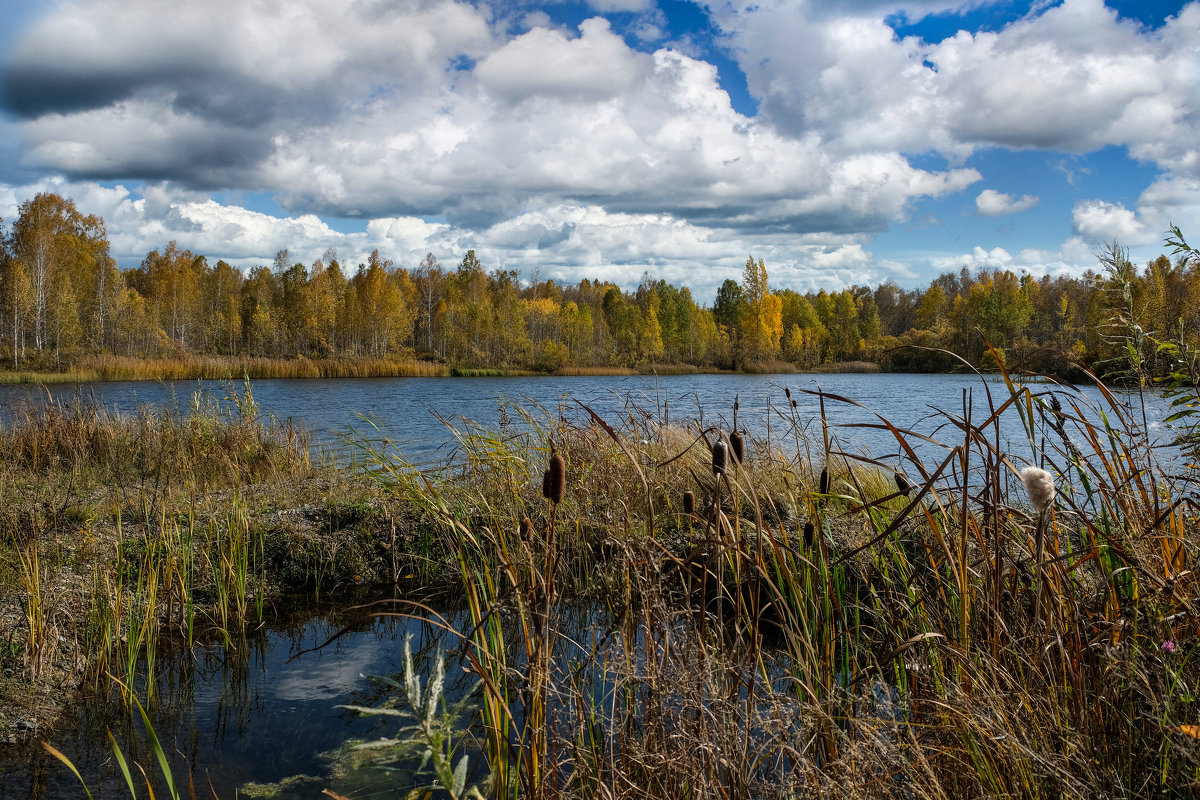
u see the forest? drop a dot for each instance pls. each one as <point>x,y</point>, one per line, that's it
<point>63,301</point>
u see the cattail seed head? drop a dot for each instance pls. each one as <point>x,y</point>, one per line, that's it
<point>689,502</point>
<point>808,533</point>
<point>526,529</point>
<point>557,478</point>
<point>1040,485</point>
<point>546,484</point>
<point>793,403</point>
<point>902,484</point>
<point>824,487</point>
<point>720,454</point>
<point>787,393</point>
<point>737,446</point>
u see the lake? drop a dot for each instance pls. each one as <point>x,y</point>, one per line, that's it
<point>409,411</point>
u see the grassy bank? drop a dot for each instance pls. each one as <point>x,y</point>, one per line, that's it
<point>120,531</point>
<point>791,619</point>
<point>119,368</point>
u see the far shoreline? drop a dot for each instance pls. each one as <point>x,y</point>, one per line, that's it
<point>111,370</point>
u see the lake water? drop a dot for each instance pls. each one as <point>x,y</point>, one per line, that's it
<point>407,410</point>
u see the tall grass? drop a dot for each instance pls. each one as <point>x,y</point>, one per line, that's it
<point>101,535</point>
<point>825,622</point>
<point>124,368</point>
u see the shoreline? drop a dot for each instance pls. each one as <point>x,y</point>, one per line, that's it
<point>158,370</point>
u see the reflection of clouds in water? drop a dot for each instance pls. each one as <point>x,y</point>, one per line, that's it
<point>312,677</point>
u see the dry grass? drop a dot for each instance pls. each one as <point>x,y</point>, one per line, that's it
<point>912,647</point>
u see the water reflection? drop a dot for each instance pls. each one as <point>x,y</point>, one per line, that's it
<point>243,715</point>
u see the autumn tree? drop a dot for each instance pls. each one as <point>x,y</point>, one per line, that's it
<point>53,245</point>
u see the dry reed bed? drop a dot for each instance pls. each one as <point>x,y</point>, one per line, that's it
<point>120,531</point>
<point>795,622</point>
<point>808,622</point>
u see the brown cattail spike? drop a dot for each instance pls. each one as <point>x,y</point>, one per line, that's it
<point>557,478</point>
<point>808,534</point>
<point>546,484</point>
<point>824,489</point>
<point>689,502</point>
<point>787,393</point>
<point>738,447</point>
<point>902,484</point>
<point>720,455</point>
<point>526,529</point>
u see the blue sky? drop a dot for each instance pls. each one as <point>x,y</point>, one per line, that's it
<point>842,142</point>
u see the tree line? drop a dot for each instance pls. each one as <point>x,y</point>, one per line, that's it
<point>63,298</point>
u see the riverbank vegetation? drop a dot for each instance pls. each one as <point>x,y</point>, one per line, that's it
<point>787,618</point>
<point>66,308</point>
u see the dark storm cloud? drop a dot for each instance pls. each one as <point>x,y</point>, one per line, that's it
<point>31,90</point>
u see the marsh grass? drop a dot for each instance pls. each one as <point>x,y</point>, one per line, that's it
<point>816,626</point>
<point>101,544</point>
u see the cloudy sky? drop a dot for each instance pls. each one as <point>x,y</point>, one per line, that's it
<point>843,142</point>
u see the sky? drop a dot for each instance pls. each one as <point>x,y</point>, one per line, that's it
<point>847,142</point>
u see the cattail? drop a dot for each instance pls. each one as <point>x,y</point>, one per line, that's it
<point>546,484</point>
<point>689,502</point>
<point>526,529</point>
<point>902,484</point>
<point>1040,486</point>
<point>738,447</point>
<point>787,393</point>
<point>808,533</point>
<point>720,455</point>
<point>824,489</point>
<point>556,479</point>
<point>793,403</point>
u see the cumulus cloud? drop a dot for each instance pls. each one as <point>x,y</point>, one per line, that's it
<point>1102,221</point>
<point>990,203</point>
<point>564,241</point>
<point>446,125</point>
<point>1073,77</point>
<point>428,108</point>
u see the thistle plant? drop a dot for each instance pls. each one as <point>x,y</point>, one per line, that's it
<point>432,734</point>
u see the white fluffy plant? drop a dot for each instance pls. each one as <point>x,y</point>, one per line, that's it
<point>1039,485</point>
<point>433,732</point>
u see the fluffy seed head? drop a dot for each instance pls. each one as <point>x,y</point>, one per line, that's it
<point>689,502</point>
<point>526,529</point>
<point>1040,485</point>
<point>720,454</point>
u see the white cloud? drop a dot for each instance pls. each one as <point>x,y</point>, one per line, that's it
<point>610,6</point>
<point>1073,77</point>
<point>991,203</point>
<point>1102,221</point>
<point>598,64</point>
<point>453,119</point>
<point>567,242</point>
